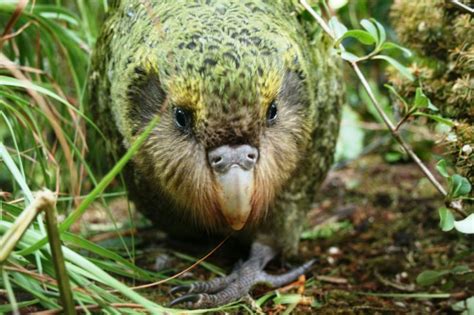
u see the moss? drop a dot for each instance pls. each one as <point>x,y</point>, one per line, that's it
<point>441,37</point>
<point>463,149</point>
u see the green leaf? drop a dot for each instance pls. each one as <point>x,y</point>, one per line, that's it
<point>349,56</point>
<point>381,31</point>
<point>437,118</point>
<point>370,27</point>
<point>460,186</point>
<point>403,70</point>
<point>421,100</point>
<point>446,219</point>
<point>460,269</point>
<point>12,167</point>
<point>466,306</point>
<point>338,29</point>
<point>390,45</point>
<point>441,166</point>
<point>466,225</point>
<point>430,277</point>
<point>362,36</point>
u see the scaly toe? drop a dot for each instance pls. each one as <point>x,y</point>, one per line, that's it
<point>211,286</point>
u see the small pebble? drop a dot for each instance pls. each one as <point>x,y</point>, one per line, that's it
<point>467,149</point>
<point>334,250</point>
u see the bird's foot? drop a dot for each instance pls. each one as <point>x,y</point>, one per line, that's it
<point>236,285</point>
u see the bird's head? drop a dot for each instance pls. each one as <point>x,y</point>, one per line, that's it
<point>234,120</point>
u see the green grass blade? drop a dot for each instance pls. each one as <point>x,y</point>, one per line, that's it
<point>20,179</point>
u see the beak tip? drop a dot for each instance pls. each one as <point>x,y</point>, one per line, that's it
<point>237,226</point>
<point>235,193</point>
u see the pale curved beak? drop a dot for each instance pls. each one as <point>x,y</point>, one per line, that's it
<point>233,168</point>
<point>235,188</point>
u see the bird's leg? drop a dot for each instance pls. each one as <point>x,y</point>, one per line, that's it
<point>226,289</point>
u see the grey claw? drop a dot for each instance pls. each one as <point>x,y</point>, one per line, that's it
<point>193,298</point>
<point>180,288</point>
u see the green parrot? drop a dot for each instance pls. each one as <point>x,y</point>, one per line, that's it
<point>249,96</point>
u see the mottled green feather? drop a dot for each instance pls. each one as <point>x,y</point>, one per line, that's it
<point>225,61</point>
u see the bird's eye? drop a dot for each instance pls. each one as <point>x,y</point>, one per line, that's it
<point>182,118</point>
<point>272,112</point>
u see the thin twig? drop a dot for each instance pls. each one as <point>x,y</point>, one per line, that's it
<point>462,6</point>
<point>393,130</point>
<point>402,121</point>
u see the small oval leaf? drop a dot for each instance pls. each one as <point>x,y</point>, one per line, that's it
<point>362,36</point>
<point>460,186</point>
<point>437,118</point>
<point>460,269</point>
<point>390,45</point>
<point>430,277</point>
<point>421,100</point>
<point>403,70</point>
<point>381,31</point>
<point>446,219</point>
<point>442,168</point>
<point>370,27</point>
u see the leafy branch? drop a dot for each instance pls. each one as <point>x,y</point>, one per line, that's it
<point>374,34</point>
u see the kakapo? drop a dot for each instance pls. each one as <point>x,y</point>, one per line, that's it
<point>249,96</point>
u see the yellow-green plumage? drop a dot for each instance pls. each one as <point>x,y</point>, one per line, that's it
<point>224,62</point>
